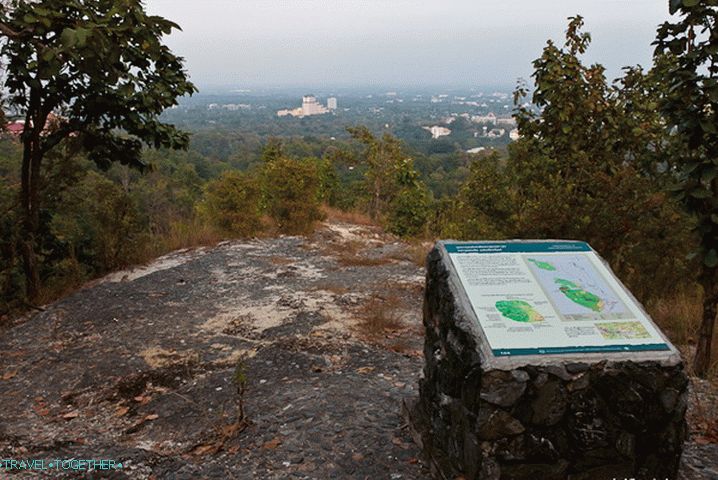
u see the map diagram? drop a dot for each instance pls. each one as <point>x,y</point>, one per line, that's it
<point>576,289</point>
<point>518,311</point>
<point>622,330</point>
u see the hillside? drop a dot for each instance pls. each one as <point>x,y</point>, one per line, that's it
<point>141,366</point>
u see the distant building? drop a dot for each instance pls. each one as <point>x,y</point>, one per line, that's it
<point>507,121</point>
<point>310,106</point>
<point>438,131</point>
<point>489,118</point>
<point>295,112</point>
<point>476,150</point>
<point>514,134</point>
<point>496,133</point>
<point>332,103</point>
<point>233,107</point>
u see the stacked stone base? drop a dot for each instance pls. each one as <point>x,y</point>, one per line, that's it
<point>593,420</point>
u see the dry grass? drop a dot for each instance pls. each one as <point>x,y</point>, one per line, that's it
<point>380,315</point>
<point>279,260</point>
<point>359,261</point>
<point>333,288</point>
<point>679,316</point>
<point>348,248</point>
<point>419,251</point>
<point>194,233</point>
<point>415,253</point>
<point>356,218</point>
<point>349,254</point>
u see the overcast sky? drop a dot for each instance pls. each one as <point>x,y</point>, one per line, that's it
<point>395,42</point>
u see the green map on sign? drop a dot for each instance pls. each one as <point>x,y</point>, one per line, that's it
<point>622,330</point>
<point>518,311</point>
<point>580,296</point>
<point>543,265</point>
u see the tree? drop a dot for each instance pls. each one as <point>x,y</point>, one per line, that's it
<point>231,203</point>
<point>381,157</point>
<point>293,189</point>
<point>577,172</point>
<point>409,209</point>
<point>92,71</point>
<point>687,51</point>
<point>396,194</point>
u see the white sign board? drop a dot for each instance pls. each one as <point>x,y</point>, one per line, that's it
<point>545,298</point>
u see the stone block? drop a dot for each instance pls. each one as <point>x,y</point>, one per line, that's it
<point>578,410</point>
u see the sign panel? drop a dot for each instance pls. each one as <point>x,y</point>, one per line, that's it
<point>546,298</point>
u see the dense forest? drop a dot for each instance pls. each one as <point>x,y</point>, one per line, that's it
<point>628,166</point>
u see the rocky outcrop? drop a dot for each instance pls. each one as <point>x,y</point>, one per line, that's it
<point>564,417</point>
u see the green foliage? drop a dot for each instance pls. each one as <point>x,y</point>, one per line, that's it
<point>393,191</point>
<point>687,52</point>
<point>581,171</point>
<point>293,190</point>
<point>93,74</point>
<point>99,223</point>
<point>409,209</point>
<point>231,203</point>
<point>687,57</point>
<point>102,66</point>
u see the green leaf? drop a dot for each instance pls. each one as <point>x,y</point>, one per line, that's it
<point>82,34</point>
<point>48,55</point>
<point>690,3</point>
<point>708,126</point>
<point>708,175</point>
<point>674,6</point>
<point>701,193</point>
<point>711,258</point>
<point>68,37</point>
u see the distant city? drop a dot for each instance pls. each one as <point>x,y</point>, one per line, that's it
<point>469,120</point>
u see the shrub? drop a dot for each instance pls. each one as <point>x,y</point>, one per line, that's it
<point>231,203</point>
<point>292,192</point>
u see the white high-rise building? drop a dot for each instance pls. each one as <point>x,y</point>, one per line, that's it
<point>310,106</point>
<point>332,103</point>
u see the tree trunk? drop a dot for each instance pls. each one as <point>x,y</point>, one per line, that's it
<point>702,361</point>
<point>30,199</point>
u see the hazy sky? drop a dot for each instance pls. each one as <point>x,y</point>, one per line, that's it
<point>395,42</point>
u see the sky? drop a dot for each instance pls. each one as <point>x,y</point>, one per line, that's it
<point>395,43</point>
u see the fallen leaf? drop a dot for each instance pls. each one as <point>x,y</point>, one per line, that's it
<point>8,375</point>
<point>228,431</point>
<point>121,411</point>
<point>205,449</point>
<point>152,416</point>
<point>272,444</point>
<point>365,369</point>
<point>71,415</point>
<point>41,409</point>
<point>701,440</point>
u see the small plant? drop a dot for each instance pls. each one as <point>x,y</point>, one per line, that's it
<point>380,315</point>
<point>240,381</point>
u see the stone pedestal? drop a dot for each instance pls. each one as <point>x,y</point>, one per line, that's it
<point>579,416</point>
